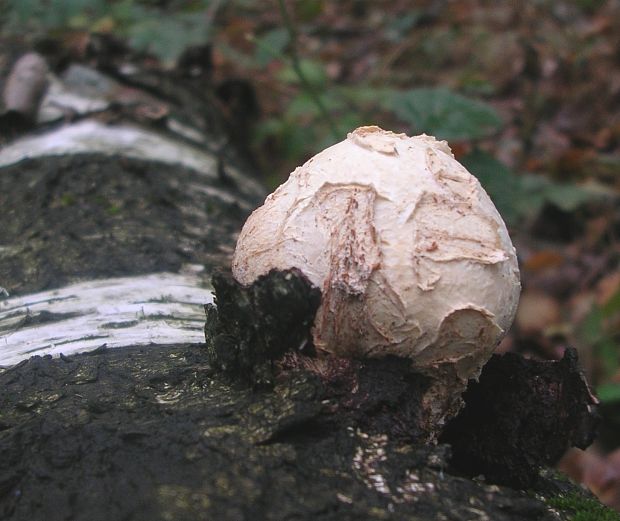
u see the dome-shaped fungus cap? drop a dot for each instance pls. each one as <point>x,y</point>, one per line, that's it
<point>410,254</point>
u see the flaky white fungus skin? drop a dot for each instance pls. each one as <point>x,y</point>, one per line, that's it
<point>410,254</point>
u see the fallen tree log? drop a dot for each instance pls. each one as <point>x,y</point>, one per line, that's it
<point>112,227</point>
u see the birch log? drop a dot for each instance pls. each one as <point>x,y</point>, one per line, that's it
<point>110,230</point>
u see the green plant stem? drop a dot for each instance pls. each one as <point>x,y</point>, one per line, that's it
<point>296,63</point>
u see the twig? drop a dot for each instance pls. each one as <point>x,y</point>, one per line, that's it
<point>210,14</point>
<point>307,85</point>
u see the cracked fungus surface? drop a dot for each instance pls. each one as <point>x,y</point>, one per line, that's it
<point>410,254</point>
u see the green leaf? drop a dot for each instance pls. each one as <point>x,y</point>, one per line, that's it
<point>314,72</point>
<point>501,184</point>
<point>398,28</point>
<point>168,37</point>
<point>165,34</point>
<point>54,14</point>
<point>349,121</point>
<point>307,10</point>
<point>592,327</point>
<point>606,351</point>
<point>612,306</point>
<point>271,46</point>
<point>303,105</point>
<point>567,197</point>
<point>442,113</point>
<point>608,392</point>
<point>295,140</point>
<point>363,94</point>
<point>128,13</point>
<point>594,334</point>
<point>517,196</point>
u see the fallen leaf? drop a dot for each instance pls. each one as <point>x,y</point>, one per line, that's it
<point>543,260</point>
<point>537,311</point>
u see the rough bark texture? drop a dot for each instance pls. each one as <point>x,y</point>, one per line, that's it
<point>114,213</point>
<point>520,415</point>
<point>252,328</point>
<point>156,434</point>
<point>90,216</point>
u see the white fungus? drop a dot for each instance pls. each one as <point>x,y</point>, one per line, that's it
<point>410,254</point>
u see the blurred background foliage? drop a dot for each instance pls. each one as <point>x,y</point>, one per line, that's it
<point>166,33</point>
<point>315,102</point>
<point>527,94</point>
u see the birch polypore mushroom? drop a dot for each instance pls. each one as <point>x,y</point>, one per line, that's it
<point>410,254</point>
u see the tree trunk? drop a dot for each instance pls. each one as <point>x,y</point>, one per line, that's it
<point>113,220</point>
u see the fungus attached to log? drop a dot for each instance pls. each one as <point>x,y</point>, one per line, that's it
<point>410,254</point>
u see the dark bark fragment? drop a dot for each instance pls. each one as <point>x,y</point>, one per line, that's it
<point>522,414</point>
<point>252,327</point>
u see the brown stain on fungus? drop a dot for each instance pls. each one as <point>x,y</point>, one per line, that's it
<point>347,212</point>
<point>461,233</point>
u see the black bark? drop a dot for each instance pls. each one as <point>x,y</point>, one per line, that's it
<point>157,434</point>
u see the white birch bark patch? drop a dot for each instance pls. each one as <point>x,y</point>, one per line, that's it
<point>91,136</point>
<point>162,308</point>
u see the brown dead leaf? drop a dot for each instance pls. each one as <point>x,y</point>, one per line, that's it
<point>600,473</point>
<point>572,162</point>
<point>595,25</point>
<point>537,311</point>
<point>543,260</point>
<point>607,287</point>
<point>76,43</point>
